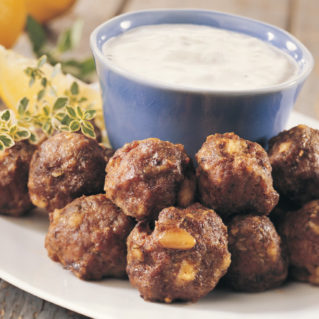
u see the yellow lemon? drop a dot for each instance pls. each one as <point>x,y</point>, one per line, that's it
<point>12,21</point>
<point>45,10</point>
<point>14,83</point>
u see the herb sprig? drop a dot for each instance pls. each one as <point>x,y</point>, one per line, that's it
<point>67,41</point>
<point>68,113</point>
<point>10,131</point>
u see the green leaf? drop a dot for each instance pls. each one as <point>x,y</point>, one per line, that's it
<point>87,67</point>
<point>88,125</point>
<point>67,120</point>
<point>82,99</point>
<point>22,134</point>
<point>42,61</point>
<point>36,34</point>
<point>64,41</point>
<point>46,110</point>
<point>89,114</point>
<point>87,132</point>
<point>27,119</point>
<point>33,138</point>
<point>40,95</point>
<point>4,130</point>
<point>71,112</point>
<point>23,104</point>
<point>64,128</point>
<point>74,88</point>
<point>74,126</point>
<point>80,69</point>
<point>5,115</point>
<point>44,82</point>
<point>79,112</point>
<point>28,71</point>
<point>38,122</point>
<point>60,116</point>
<point>70,38</point>
<point>47,127</point>
<point>60,103</point>
<point>6,140</point>
<point>2,148</point>
<point>12,130</point>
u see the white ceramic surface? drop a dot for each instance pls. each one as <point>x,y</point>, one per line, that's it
<point>24,263</point>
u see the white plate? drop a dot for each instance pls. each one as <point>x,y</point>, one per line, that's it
<point>24,263</point>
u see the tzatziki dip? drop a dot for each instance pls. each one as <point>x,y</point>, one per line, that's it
<point>197,56</point>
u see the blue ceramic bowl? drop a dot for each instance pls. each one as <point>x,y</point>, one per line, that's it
<point>136,108</point>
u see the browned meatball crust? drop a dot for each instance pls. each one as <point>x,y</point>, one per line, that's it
<point>183,258</point>
<point>300,232</point>
<point>146,176</point>
<point>294,156</point>
<point>14,171</point>
<point>234,176</point>
<point>259,261</point>
<point>66,166</point>
<point>88,237</point>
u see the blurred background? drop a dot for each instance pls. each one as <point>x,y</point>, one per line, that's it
<point>61,29</point>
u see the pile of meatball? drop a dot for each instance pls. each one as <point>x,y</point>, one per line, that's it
<point>145,212</point>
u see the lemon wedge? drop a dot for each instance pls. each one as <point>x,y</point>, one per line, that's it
<point>45,10</point>
<point>14,83</point>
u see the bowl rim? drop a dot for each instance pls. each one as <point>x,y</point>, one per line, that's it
<point>295,80</point>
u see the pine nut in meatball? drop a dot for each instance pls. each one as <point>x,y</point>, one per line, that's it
<point>181,258</point>
<point>259,261</point>
<point>294,156</point>
<point>143,177</point>
<point>234,176</point>
<point>14,171</point>
<point>300,232</point>
<point>66,166</point>
<point>88,237</point>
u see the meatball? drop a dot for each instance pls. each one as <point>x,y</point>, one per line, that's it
<point>88,237</point>
<point>143,177</point>
<point>182,258</point>
<point>294,156</point>
<point>234,176</point>
<point>66,166</point>
<point>300,232</point>
<point>14,171</point>
<point>259,260</point>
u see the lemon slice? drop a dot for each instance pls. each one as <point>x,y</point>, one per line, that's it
<point>12,21</point>
<point>14,83</point>
<point>45,10</point>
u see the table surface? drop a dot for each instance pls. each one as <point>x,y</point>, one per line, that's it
<point>300,17</point>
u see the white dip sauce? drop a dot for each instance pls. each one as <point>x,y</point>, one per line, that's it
<point>199,57</point>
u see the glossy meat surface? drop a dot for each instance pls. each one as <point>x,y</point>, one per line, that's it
<point>14,172</point>
<point>300,231</point>
<point>234,176</point>
<point>88,237</point>
<point>143,177</point>
<point>294,156</point>
<point>182,258</point>
<point>66,166</point>
<point>259,260</point>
